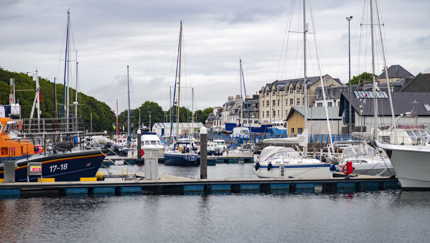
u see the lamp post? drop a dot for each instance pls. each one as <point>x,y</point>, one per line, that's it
<point>349,18</point>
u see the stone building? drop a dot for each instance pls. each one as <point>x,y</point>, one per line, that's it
<point>277,98</point>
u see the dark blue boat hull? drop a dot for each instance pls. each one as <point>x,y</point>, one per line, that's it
<point>181,159</point>
<point>62,167</point>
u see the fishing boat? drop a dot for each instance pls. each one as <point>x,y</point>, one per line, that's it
<point>285,162</point>
<point>63,166</point>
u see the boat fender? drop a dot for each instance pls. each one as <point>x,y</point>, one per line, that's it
<point>348,168</point>
<point>257,166</point>
<point>269,166</point>
<point>142,152</point>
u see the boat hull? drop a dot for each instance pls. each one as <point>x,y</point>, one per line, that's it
<point>412,165</point>
<point>177,159</point>
<point>308,171</point>
<point>62,167</point>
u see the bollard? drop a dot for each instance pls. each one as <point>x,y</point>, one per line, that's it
<point>9,171</point>
<point>151,163</point>
<point>203,153</point>
<point>139,144</point>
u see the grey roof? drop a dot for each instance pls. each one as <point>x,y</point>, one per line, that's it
<point>403,102</point>
<point>280,84</point>
<point>317,113</point>
<point>396,71</point>
<point>421,83</point>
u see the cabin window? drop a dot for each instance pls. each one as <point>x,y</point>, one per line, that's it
<point>329,104</point>
<point>4,151</point>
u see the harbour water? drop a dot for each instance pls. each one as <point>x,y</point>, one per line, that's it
<point>363,217</point>
<point>387,216</point>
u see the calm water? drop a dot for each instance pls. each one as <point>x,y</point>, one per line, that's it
<point>390,216</point>
<point>362,217</point>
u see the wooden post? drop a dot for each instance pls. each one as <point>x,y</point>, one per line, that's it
<point>203,153</point>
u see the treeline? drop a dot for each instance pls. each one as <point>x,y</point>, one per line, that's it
<point>151,112</point>
<point>102,115</point>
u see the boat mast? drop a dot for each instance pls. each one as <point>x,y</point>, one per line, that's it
<point>66,73</point>
<point>305,85</point>
<point>76,93</point>
<point>385,67</point>
<point>177,88</point>
<point>117,122</point>
<point>128,110</point>
<point>241,95</point>
<point>192,112</point>
<point>375,101</point>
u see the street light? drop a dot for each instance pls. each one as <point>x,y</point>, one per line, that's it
<point>349,18</point>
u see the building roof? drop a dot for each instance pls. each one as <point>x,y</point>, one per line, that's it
<point>396,71</point>
<point>316,113</point>
<point>181,125</point>
<point>421,83</point>
<point>417,103</point>
<point>280,84</point>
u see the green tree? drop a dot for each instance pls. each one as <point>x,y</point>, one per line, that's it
<point>361,79</point>
<point>103,116</point>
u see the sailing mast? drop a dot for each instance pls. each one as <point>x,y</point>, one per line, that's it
<point>67,73</point>
<point>76,94</point>
<point>128,110</point>
<point>305,85</point>
<point>242,90</point>
<point>177,88</point>
<point>375,101</point>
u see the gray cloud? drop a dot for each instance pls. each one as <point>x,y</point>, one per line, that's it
<point>111,34</point>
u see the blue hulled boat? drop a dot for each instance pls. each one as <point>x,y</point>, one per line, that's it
<point>183,154</point>
<point>69,166</point>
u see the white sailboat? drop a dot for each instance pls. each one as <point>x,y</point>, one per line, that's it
<point>276,161</point>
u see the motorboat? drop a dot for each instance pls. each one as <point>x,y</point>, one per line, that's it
<point>409,151</point>
<point>285,162</point>
<point>183,153</point>
<point>365,159</point>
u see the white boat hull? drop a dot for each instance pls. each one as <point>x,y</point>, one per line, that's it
<point>296,172</point>
<point>411,164</point>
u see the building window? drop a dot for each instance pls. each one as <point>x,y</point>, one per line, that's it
<point>286,101</point>
<point>292,130</point>
<point>300,130</point>
<point>267,114</point>
<point>267,103</point>
<point>274,114</point>
<point>274,102</point>
<point>319,104</point>
<point>298,101</point>
<point>291,101</point>
<point>329,104</point>
<point>278,102</point>
<point>278,113</point>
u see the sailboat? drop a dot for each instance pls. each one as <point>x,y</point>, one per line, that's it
<point>184,151</point>
<point>277,161</point>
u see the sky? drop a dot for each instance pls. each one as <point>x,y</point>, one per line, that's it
<point>109,35</point>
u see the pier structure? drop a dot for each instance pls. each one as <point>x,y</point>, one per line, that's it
<point>184,186</point>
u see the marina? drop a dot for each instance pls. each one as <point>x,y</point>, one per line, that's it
<point>220,122</point>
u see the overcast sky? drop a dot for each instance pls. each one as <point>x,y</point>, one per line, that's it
<point>110,34</point>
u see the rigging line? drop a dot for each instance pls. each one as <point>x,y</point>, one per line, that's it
<point>285,41</point>
<point>385,63</point>
<point>321,79</point>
